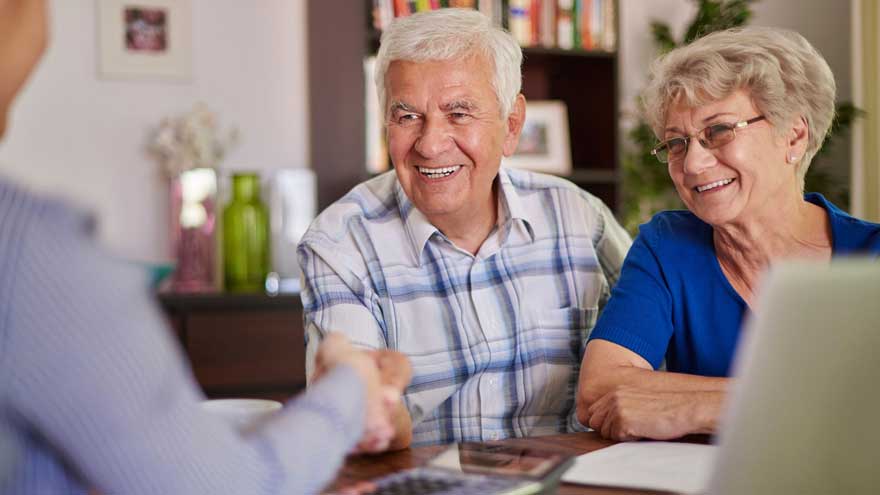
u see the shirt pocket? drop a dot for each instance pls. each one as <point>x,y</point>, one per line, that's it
<point>569,322</point>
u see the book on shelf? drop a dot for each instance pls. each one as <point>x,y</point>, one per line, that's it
<point>565,24</point>
<point>609,29</point>
<point>547,23</point>
<point>520,21</point>
<point>582,15</point>
<point>493,9</point>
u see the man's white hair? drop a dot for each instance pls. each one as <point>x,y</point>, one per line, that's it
<point>448,34</point>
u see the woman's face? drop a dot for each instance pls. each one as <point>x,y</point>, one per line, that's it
<point>736,180</point>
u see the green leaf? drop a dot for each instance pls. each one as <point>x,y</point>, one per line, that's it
<point>663,36</point>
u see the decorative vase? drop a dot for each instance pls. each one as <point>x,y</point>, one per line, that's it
<point>245,236</point>
<point>193,230</point>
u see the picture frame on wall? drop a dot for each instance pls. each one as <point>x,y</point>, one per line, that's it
<point>145,39</point>
<point>544,144</point>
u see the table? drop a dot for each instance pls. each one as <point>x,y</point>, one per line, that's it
<point>365,467</point>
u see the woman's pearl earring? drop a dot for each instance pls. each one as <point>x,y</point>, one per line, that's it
<point>792,158</point>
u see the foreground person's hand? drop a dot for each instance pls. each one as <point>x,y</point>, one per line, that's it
<point>382,400</point>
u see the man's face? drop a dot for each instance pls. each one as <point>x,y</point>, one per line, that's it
<point>446,136</point>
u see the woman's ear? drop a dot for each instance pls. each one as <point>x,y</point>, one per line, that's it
<point>797,140</point>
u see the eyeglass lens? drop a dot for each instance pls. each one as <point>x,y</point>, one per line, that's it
<point>711,137</point>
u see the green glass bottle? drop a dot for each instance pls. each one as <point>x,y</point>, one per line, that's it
<point>245,236</point>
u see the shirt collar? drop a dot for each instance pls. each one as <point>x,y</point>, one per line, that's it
<point>516,209</point>
<point>510,209</point>
<point>417,226</point>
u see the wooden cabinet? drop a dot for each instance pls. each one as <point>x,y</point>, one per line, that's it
<point>340,36</point>
<point>248,345</point>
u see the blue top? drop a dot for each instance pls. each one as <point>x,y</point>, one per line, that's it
<point>673,301</point>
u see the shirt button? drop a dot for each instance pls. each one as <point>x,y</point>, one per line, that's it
<point>494,436</point>
<point>492,381</point>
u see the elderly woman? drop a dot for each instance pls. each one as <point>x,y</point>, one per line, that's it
<point>740,114</point>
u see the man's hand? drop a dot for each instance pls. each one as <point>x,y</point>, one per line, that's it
<point>385,374</point>
<point>628,413</point>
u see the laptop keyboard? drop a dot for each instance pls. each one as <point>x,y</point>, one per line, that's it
<point>434,482</point>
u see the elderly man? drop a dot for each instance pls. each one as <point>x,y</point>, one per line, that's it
<point>488,279</point>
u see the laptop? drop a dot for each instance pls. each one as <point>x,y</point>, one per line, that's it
<point>804,415</point>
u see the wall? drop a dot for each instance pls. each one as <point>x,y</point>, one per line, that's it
<point>74,134</point>
<point>825,23</point>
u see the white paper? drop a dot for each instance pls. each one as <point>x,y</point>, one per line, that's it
<point>669,466</point>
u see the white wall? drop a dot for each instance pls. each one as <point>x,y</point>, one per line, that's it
<point>74,134</point>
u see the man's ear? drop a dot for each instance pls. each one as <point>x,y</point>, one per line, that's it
<point>515,122</point>
<point>797,139</point>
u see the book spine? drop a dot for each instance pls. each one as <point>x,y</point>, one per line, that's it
<point>584,14</point>
<point>609,34</point>
<point>520,21</point>
<point>548,23</point>
<point>401,8</point>
<point>597,24</point>
<point>386,13</point>
<point>535,13</point>
<point>565,24</point>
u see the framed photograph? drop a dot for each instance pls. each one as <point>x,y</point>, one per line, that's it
<point>145,39</point>
<point>544,143</point>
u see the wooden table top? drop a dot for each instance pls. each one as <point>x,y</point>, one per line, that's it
<point>365,467</point>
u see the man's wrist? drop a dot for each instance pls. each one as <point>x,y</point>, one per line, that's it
<point>403,428</point>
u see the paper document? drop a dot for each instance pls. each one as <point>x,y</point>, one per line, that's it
<point>669,466</point>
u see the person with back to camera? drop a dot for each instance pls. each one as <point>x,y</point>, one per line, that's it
<point>739,114</point>
<point>94,394</point>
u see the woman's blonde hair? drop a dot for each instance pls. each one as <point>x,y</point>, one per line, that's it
<point>784,75</point>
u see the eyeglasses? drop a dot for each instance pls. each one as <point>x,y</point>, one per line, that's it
<point>711,137</point>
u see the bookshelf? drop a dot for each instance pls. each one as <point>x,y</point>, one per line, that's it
<point>340,36</point>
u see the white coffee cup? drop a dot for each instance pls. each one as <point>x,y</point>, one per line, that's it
<point>243,414</point>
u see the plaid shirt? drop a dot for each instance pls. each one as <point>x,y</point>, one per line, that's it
<point>495,338</point>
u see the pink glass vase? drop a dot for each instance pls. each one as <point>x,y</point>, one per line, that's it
<point>194,230</point>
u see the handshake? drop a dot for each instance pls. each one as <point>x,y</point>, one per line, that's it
<point>385,374</point>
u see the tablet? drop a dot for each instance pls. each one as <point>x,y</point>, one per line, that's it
<point>502,460</point>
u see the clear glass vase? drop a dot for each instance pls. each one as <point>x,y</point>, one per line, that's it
<point>194,230</point>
